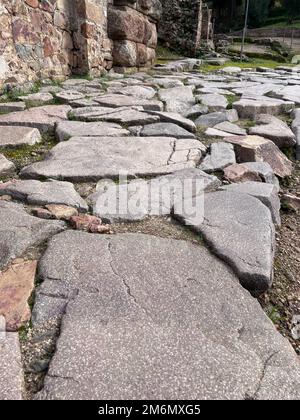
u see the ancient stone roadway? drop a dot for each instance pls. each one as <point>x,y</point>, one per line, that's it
<point>166,312</point>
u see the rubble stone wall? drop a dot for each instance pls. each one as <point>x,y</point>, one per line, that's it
<point>185,24</point>
<point>41,39</point>
<point>132,27</point>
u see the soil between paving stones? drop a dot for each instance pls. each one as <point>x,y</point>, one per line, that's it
<point>282,301</point>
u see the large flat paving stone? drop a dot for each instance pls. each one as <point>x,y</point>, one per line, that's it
<point>158,197</point>
<point>173,117</point>
<point>11,136</point>
<point>93,158</point>
<point>239,229</point>
<point>141,92</point>
<point>178,99</point>
<point>165,130</point>
<point>43,118</point>
<point>11,373</point>
<point>67,129</point>
<point>253,107</point>
<point>123,115</point>
<point>214,101</point>
<point>152,318</point>
<point>274,129</point>
<point>19,231</point>
<point>37,99</point>
<point>214,118</point>
<point>116,101</point>
<point>42,193</point>
<point>266,193</point>
<point>219,158</point>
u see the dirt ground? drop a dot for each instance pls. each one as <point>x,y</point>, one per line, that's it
<point>282,302</point>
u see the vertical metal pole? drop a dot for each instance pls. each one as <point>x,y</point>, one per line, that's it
<point>245,29</point>
<point>292,39</point>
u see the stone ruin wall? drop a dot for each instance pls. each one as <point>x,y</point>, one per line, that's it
<point>41,39</point>
<point>186,25</point>
<point>132,27</point>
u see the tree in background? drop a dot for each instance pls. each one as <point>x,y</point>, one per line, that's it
<point>293,9</point>
<point>259,12</point>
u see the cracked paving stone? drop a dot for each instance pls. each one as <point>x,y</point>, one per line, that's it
<point>151,317</point>
<point>42,193</point>
<point>19,231</point>
<point>164,130</point>
<point>117,101</point>
<point>165,193</point>
<point>123,115</point>
<point>93,158</point>
<point>67,129</point>
<point>43,118</point>
<point>239,229</point>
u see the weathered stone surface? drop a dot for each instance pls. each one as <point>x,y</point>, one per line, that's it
<point>173,117</point>
<point>266,193</point>
<point>140,331</point>
<point>213,101</point>
<point>11,372</point>
<point>264,170</point>
<point>228,127</point>
<point>240,173</point>
<point>210,120</point>
<point>252,108</point>
<point>259,149</point>
<point>43,118</point>
<point>6,166</point>
<point>16,285</point>
<point>117,101</point>
<point>165,82</point>
<point>196,111</point>
<point>157,197</point>
<point>141,92</point>
<point>178,99</point>
<point>12,107</point>
<point>37,99</point>
<point>19,136</point>
<point>67,129</point>
<point>274,129</point>
<point>239,229</point>
<point>123,115</point>
<point>102,157</point>
<point>231,70</point>
<point>42,193</point>
<point>217,133</point>
<point>68,96</point>
<point>165,130</point>
<point>219,158</point>
<point>289,93</point>
<point>19,231</point>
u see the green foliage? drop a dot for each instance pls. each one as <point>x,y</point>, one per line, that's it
<point>258,12</point>
<point>292,8</point>
<point>273,314</point>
